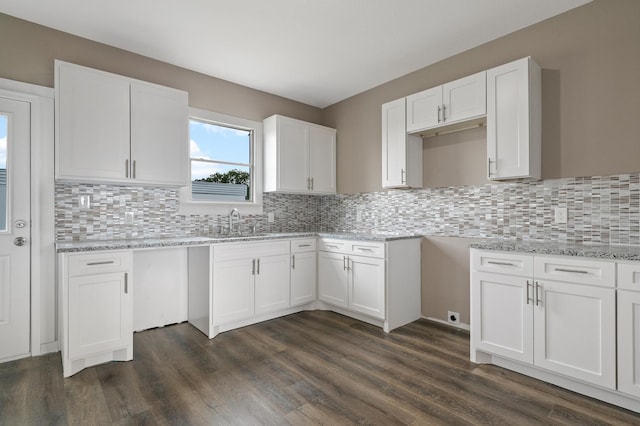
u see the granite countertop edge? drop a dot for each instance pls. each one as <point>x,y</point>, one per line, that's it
<point>142,243</point>
<point>631,253</point>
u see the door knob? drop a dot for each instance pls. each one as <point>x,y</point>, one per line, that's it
<point>20,241</point>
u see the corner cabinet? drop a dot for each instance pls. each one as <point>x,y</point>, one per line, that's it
<point>514,120</point>
<point>114,129</point>
<point>96,309</point>
<point>299,157</point>
<point>375,282</point>
<point>401,152</point>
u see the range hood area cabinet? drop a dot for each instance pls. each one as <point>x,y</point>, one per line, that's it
<point>450,103</point>
<point>299,157</point>
<point>401,152</point>
<point>514,120</point>
<point>111,128</point>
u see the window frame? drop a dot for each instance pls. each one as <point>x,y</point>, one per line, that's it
<point>253,206</point>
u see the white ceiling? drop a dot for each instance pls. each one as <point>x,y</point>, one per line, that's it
<point>318,52</point>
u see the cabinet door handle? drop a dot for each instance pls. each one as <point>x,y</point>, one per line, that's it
<point>529,299</point>
<point>312,184</point>
<point>403,176</point>
<point>439,113</point>
<point>134,169</point>
<point>344,263</point>
<point>253,267</point>
<point>573,271</point>
<point>444,113</point>
<point>126,283</point>
<point>104,262</point>
<point>489,166</point>
<point>492,262</point>
<point>258,267</point>
<point>126,168</point>
<point>293,261</point>
<point>538,298</point>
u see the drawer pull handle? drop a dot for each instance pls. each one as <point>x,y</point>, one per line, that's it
<point>104,262</point>
<point>293,261</point>
<point>364,249</point>
<point>126,283</point>
<point>304,245</point>
<point>491,262</point>
<point>331,245</point>
<point>573,271</point>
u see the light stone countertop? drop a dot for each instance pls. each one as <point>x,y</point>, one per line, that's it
<point>141,243</point>
<point>561,249</point>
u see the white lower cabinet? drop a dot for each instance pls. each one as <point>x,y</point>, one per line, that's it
<point>272,283</point>
<point>376,282</point>
<point>96,299</point>
<point>304,267</point>
<point>557,315</point>
<point>233,290</point>
<point>629,328</point>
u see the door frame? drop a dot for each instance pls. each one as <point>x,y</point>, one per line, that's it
<point>44,316</point>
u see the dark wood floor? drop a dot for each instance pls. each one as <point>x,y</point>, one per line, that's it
<point>309,368</point>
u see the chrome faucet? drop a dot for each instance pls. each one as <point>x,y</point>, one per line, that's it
<point>232,213</point>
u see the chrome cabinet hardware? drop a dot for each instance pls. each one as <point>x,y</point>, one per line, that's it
<point>304,245</point>
<point>444,113</point>
<point>489,166</point>
<point>126,168</point>
<point>529,299</point>
<point>344,263</point>
<point>126,283</point>
<point>439,113</point>
<point>253,266</point>
<point>134,169</point>
<point>538,298</point>
<point>403,176</point>
<point>312,184</point>
<point>364,249</point>
<point>104,262</point>
<point>258,267</point>
<point>492,262</point>
<point>293,261</point>
<point>573,271</point>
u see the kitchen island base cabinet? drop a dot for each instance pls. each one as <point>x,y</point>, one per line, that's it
<point>96,307</point>
<point>378,283</point>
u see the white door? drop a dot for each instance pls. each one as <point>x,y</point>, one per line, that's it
<point>272,283</point>
<point>233,290</point>
<point>15,141</point>
<point>366,289</point>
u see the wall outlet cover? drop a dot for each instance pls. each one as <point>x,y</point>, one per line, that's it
<point>453,317</point>
<point>128,218</point>
<point>560,215</point>
<point>271,217</point>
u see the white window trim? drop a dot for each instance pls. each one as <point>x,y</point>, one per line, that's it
<point>187,206</point>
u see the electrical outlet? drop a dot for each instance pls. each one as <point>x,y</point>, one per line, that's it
<point>560,215</point>
<point>85,202</point>
<point>128,218</point>
<point>271,217</point>
<point>453,317</point>
<point>359,214</point>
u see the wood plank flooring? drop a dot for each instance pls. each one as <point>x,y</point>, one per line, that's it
<point>308,368</point>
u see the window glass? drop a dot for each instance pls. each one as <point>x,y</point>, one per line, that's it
<point>221,162</point>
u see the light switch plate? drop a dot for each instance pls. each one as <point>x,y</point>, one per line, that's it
<point>128,218</point>
<point>271,217</point>
<point>560,215</point>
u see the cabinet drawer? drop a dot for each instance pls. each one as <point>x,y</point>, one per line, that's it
<point>333,245</point>
<point>502,263</point>
<point>580,271</point>
<point>250,249</point>
<point>367,248</point>
<point>99,263</point>
<point>303,245</point>
<point>629,276</point>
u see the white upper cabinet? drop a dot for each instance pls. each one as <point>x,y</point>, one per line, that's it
<point>299,157</point>
<point>514,99</point>
<point>451,103</point>
<point>401,152</point>
<point>115,129</point>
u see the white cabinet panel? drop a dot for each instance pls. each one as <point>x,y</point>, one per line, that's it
<point>514,129</point>
<point>367,285</point>
<point>303,277</point>
<point>465,98</point>
<point>233,290</point>
<point>332,279</point>
<point>322,160</point>
<point>271,283</point>
<point>401,152</point>
<point>502,315</point>
<point>293,154</point>
<point>92,118</point>
<point>424,109</point>
<point>629,343</point>
<point>575,331</point>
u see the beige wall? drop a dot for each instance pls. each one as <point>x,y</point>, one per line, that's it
<point>591,102</point>
<point>28,50</point>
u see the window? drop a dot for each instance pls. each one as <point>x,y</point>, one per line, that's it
<point>225,162</point>
<point>221,162</point>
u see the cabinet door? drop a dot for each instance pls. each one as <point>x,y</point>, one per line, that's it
<point>159,134</point>
<point>99,314</point>
<point>92,118</point>
<point>303,278</point>
<point>424,109</point>
<point>293,155</point>
<point>394,147</point>
<point>502,315</point>
<point>575,331</point>
<point>233,291</point>
<point>465,98</point>
<point>272,283</point>
<point>514,120</point>
<point>367,285</point>
<point>629,342</point>
<point>332,278</point>
<point>322,160</point>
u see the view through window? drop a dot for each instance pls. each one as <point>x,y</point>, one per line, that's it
<point>221,162</point>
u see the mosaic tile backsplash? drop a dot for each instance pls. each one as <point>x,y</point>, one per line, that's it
<point>601,210</point>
